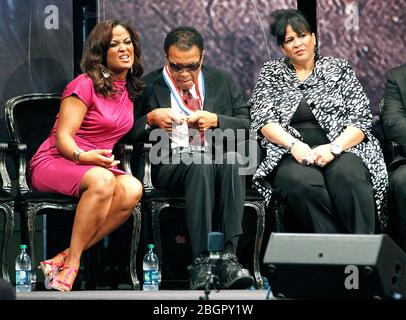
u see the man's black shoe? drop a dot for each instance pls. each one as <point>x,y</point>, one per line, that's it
<point>231,273</point>
<point>199,271</point>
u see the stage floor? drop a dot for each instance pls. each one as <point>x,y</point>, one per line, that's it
<point>144,295</point>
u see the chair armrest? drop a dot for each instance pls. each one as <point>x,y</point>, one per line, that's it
<point>396,149</point>
<point>19,151</point>
<point>147,182</point>
<point>5,177</point>
<point>391,150</point>
<point>125,152</point>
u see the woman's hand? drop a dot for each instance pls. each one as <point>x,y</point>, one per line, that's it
<point>99,157</point>
<point>323,155</point>
<point>303,153</point>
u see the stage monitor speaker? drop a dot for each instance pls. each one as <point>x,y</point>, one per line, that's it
<point>335,266</point>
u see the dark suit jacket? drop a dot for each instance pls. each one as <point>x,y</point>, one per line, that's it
<point>394,110</point>
<point>221,97</point>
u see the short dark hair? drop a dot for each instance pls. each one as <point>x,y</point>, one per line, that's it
<point>280,19</point>
<point>184,38</point>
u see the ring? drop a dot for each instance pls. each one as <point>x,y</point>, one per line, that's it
<point>305,162</point>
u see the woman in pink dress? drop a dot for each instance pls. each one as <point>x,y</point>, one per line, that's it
<point>76,159</point>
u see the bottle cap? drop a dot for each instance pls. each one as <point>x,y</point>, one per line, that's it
<point>23,246</point>
<point>151,246</point>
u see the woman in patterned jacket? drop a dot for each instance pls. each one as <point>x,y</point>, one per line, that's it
<point>313,119</point>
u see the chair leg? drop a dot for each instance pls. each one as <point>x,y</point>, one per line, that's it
<point>8,208</point>
<point>279,211</point>
<point>156,208</point>
<point>259,207</point>
<point>31,211</point>
<point>134,246</point>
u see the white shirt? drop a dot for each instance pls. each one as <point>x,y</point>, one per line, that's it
<point>180,133</point>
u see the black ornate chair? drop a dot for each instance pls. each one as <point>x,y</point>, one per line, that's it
<point>157,199</point>
<point>7,207</point>
<point>29,120</point>
<point>391,149</point>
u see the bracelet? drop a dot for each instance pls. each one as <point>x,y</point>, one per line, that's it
<point>76,154</point>
<point>291,145</point>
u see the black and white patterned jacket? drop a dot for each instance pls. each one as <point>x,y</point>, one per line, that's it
<point>336,99</point>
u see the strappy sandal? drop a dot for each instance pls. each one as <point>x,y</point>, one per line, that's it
<point>50,268</point>
<point>64,285</point>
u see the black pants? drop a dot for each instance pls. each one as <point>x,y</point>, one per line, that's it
<point>335,199</point>
<point>211,191</point>
<point>397,183</point>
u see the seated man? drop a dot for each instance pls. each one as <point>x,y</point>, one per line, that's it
<point>186,101</point>
<point>394,126</point>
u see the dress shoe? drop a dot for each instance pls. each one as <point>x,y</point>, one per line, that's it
<point>231,273</point>
<point>199,271</point>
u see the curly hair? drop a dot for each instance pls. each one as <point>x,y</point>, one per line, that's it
<point>94,59</point>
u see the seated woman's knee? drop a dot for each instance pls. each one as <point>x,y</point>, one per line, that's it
<point>346,181</point>
<point>299,186</point>
<point>131,191</point>
<point>307,190</point>
<point>349,175</point>
<point>101,182</point>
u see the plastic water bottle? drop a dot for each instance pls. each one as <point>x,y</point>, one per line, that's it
<point>23,270</point>
<point>151,267</point>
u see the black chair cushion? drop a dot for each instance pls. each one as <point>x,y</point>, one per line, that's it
<point>5,196</point>
<point>253,195</point>
<point>163,195</point>
<point>37,196</point>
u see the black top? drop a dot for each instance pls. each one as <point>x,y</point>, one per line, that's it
<point>304,121</point>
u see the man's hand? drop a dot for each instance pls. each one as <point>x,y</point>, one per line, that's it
<point>164,118</point>
<point>202,120</point>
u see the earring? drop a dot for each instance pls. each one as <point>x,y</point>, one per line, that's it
<point>105,73</point>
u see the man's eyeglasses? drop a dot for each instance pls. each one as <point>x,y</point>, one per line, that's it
<point>178,67</point>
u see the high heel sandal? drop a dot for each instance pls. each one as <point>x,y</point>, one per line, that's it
<point>64,285</point>
<point>50,268</point>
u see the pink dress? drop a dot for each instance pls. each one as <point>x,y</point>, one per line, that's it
<point>106,121</point>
